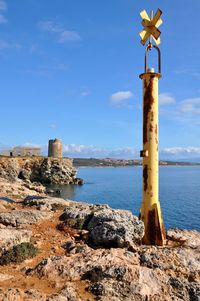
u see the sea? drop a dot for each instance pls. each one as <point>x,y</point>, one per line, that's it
<point>121,188</point>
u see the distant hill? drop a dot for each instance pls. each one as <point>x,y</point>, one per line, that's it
<point>109,162</point>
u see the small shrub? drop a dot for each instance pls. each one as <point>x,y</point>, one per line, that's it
<point>18,253</point>
<point>58,207</point>
<point>76,223</point>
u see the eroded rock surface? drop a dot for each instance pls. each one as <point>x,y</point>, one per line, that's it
<point>12,237</point>
<point>15,294</point>
<point>11,191</point>
<point>16,218</point>
<point>39,169</point>
<point>117,274</point>
<point>184,237</point>
<point>69,293</point>
<point>109,227</point>
<point>106,226</point>
<point>98,259</point>
<point>46,203</point>
<point>113,263</point>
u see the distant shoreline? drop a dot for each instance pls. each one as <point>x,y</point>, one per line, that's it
<point>110,162</point>
<point>187,165</point>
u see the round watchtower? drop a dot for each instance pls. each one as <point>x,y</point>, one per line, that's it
<point>55,148</point>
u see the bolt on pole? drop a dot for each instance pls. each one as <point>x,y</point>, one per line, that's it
<point>150,212</point>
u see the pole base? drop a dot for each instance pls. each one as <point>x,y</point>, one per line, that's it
<point>154,227</point>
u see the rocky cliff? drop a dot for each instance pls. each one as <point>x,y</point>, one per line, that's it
<point>39,169</point>
<point>57,250</point>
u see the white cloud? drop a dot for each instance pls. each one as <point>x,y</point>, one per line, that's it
<point>91,151</point>
<point>174,153</point>
<point>29,144</point>
<point>3,8</point>
<point>119,98</point>
<point>166,99</point>
<point>85,151</point>
<point>7,45</point>
<point>63,35</point>
<point>191,105</point>
<point>76,150</point>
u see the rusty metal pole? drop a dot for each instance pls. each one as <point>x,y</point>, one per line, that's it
<point>150,212</point>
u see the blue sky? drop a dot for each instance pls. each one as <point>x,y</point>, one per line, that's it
<point>69,69</point>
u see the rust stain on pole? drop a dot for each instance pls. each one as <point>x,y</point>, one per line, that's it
<point>145,177</point>
<point>148,102</point>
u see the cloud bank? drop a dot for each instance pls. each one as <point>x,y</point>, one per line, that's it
<point>90,151</point>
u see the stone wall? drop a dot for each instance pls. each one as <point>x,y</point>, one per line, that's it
<point>25,151</point>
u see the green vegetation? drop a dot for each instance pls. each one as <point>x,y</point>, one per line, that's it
<point>18,253</point>
<point>58,207</point>
<point>75,223</point>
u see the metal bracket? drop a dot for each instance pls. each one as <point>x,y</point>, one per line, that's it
<point>149,47</point>
<point>144,153</point>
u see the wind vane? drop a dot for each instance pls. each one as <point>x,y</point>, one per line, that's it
<point>151,25</point>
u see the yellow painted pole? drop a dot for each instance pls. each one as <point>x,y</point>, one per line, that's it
<point>150,212</point>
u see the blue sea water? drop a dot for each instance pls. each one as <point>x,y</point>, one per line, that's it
<point>122,188</point>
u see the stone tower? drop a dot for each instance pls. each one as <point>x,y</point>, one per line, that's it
<point>55,148</point>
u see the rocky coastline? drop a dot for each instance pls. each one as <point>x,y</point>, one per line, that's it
<point>43,170</point>
<point>53,249</point>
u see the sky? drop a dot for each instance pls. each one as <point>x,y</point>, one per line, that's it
<point>69,69</point>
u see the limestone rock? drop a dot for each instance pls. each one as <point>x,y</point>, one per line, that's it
<point>77,215</point>
<point>16,218</point>
<point>46,203</point>
<point>15,294</point>
<point>10,191</point>
<point>114,263</point>
<point>33,295</point>
<point>78,181</point>
<point>12,237</point>
<point>58,171</point>
<point>9,169</point>
<point>113,274</point>
<point>11,294</point>
<point>39,169</point>
<point>119,228</point>
<point>68,293</point>
<point>194,291</point>
<point>107,227</point>
<point>81,210</point>
<point>185,237</point>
